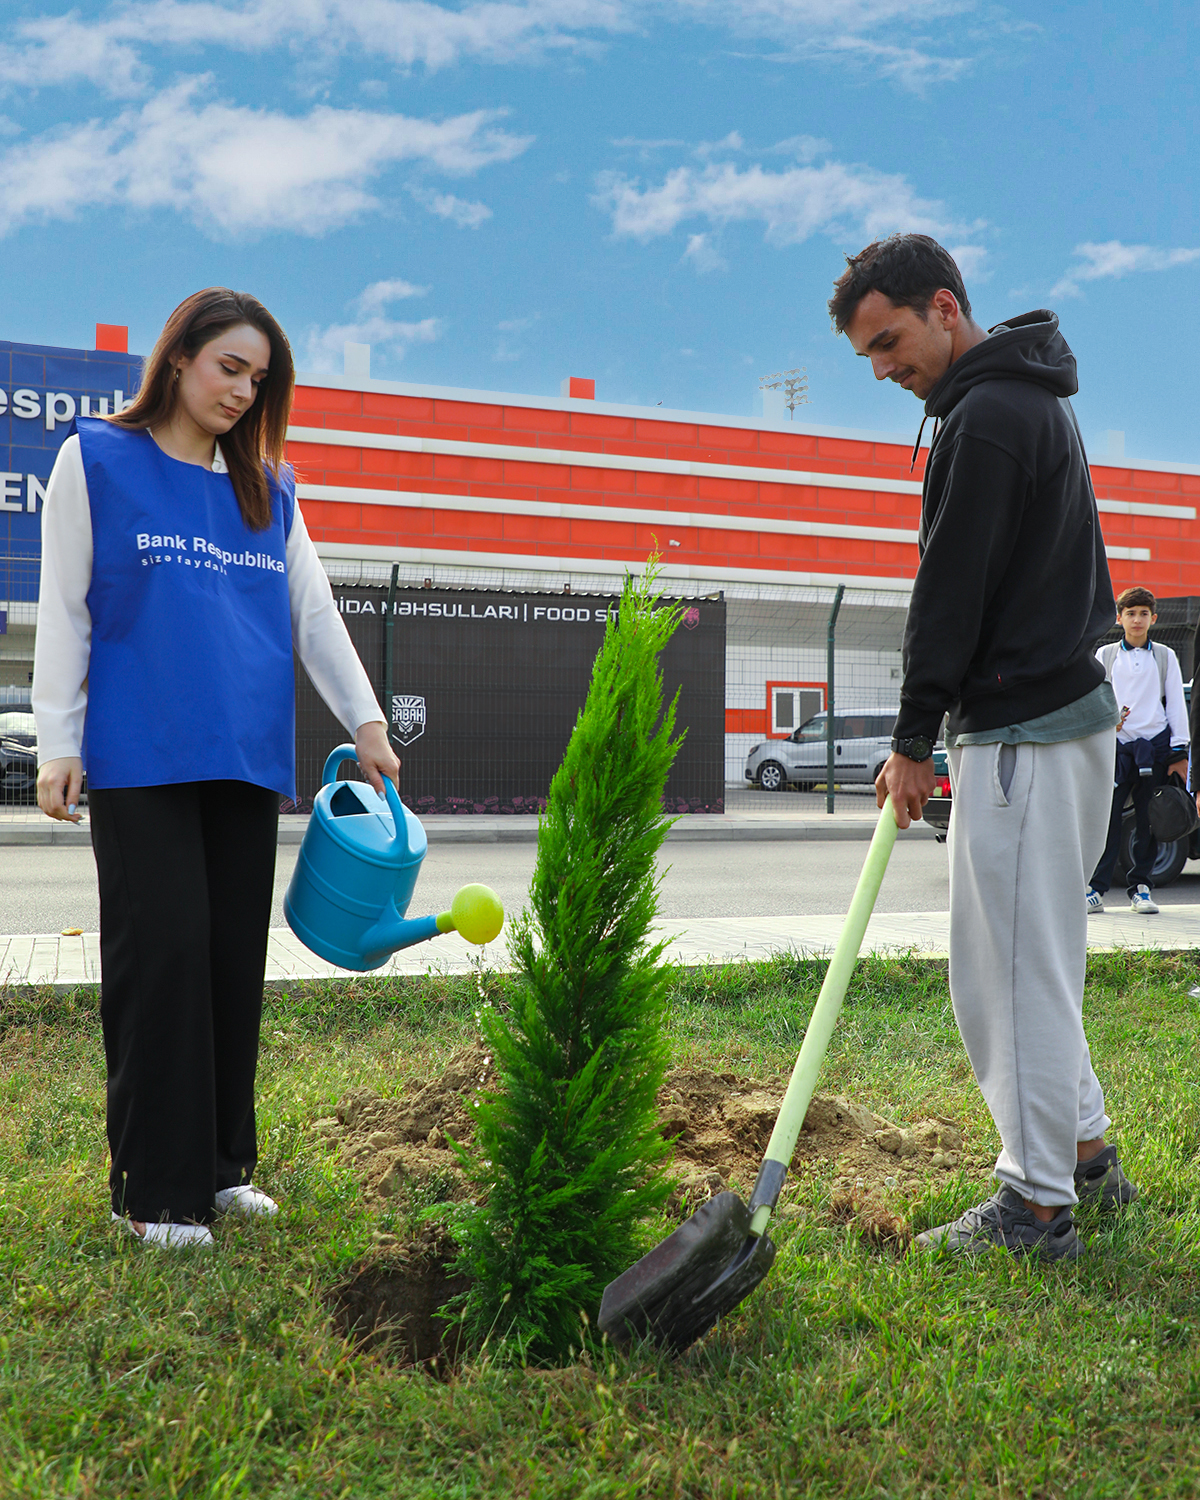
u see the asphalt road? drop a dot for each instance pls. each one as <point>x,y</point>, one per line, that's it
<point>43,890</point>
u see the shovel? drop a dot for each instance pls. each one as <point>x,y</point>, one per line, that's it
<point>716,1258</point>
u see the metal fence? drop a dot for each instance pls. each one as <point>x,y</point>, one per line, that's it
<point>797,655</point>
<point>18,621</point>
<point>481,705</point>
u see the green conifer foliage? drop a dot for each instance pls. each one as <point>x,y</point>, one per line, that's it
<point>568,1148</point>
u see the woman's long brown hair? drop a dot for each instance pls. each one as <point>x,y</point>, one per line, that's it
<point>256,440</point>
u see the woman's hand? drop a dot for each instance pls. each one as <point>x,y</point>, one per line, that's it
<point>375,757</point>
<point>58,786</point>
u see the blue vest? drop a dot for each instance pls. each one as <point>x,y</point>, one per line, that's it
<point>190,676</point>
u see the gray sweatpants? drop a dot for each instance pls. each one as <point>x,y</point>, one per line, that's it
<point>1029,825</point>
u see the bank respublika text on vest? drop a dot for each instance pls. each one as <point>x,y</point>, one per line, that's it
<point>147,542</point>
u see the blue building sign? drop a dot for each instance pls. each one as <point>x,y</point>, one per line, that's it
<point>42,390</point>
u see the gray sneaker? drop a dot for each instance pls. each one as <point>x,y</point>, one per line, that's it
<point>1102,1181</point>
<point>1004,1221</point>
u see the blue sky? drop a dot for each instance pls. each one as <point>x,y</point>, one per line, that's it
<point>656,193</point>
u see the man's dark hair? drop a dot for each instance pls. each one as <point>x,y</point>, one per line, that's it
<point>907,268</point>
<point>1136,598</point>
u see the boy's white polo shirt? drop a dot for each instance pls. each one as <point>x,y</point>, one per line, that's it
<point>1136,684</point>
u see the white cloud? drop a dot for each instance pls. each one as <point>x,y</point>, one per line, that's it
<point>1112,258</point>
<point>703,254</point>
<point>840,31</point>
<point>116,51</point>
<point>509,348</point>
<point>380,294</point>
<point>802,147</point>
<point>459,211</point>
<point>68,49</point>
<point>387,336</point>
<point>971,261</point>
<point>646,147</point>
<point>912,68</point>
<point>731,142</point>
<point>793,204</point>
<point>237,170</point>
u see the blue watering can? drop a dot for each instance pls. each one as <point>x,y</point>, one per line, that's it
<point>355,875</point>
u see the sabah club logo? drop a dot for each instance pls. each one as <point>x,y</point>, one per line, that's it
<point>408,718</point>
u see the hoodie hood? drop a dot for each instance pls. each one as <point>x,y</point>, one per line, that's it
<point>1026,348</point>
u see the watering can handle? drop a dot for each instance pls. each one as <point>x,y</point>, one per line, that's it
<point>329,773</point>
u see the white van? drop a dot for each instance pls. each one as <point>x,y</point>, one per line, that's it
<point>862,741</point>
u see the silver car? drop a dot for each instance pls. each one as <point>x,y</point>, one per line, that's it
<point>862,741</point>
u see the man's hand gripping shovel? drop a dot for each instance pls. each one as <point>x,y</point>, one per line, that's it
<point>715,1259</point>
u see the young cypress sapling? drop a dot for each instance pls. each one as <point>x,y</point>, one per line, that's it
<point>568,1148</point>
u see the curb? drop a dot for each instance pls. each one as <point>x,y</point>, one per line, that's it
<point>478,830</point>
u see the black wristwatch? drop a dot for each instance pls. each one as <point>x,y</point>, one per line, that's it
<point>917,747</point>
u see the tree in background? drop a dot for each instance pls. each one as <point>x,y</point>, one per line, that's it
<point>568,1148</point>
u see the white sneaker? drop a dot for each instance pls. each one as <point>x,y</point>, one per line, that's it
<point>1095,901</point>
<point>246,1201</point>
<point>170,1236</point>
<point>1143,901</point>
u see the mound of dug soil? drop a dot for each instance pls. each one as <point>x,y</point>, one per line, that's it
<point>720,1123</point>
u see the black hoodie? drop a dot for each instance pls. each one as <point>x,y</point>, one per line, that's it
<point>1012,593</point>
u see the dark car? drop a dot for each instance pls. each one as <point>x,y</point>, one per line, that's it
<point>937,809</point>
<point>18,755</point>
<point>1168,863</point>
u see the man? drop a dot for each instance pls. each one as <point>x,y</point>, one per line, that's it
<point>1010,598</point>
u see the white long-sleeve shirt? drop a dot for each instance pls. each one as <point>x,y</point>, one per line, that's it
<point>1136,684</point>
<point>64,628</point>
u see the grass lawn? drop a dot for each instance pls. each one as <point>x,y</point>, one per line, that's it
<point>851,1371</point>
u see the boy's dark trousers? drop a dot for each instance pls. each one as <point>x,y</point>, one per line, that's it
<point>1143,846</point>
<point>186,875</point>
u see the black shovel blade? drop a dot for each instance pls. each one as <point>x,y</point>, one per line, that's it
<point>678,1290</point>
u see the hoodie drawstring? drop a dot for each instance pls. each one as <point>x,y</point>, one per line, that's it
<point>937,422</point>
<point>917,444</point>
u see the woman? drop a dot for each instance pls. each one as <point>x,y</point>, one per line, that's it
<point>177,575</point>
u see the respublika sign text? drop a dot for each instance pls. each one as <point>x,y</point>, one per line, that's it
<point>42,391</point>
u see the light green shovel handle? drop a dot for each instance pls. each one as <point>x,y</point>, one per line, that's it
<point>829,1002</point>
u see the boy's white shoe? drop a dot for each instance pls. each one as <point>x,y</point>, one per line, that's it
<point>169,1236</point>
<point>1095,901</point>
<point>246,1201</point>
<point>1142,901</point>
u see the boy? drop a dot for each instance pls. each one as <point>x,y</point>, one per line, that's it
<point>1152,742</point>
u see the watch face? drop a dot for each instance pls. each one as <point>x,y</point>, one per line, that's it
<point>919,748</point>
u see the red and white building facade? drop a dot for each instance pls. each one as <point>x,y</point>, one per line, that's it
<point>482,489</point>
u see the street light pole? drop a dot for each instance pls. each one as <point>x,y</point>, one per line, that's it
<point>829,638</point>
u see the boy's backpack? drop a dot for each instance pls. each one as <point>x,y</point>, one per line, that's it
<point>1108,655</point>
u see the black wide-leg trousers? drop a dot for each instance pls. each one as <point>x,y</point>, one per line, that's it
<point>186,875</point>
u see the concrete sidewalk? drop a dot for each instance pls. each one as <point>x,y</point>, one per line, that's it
<point>69,961</point>
<point>856,822</point>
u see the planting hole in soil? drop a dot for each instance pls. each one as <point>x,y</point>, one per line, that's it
<point>392,1303</point>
